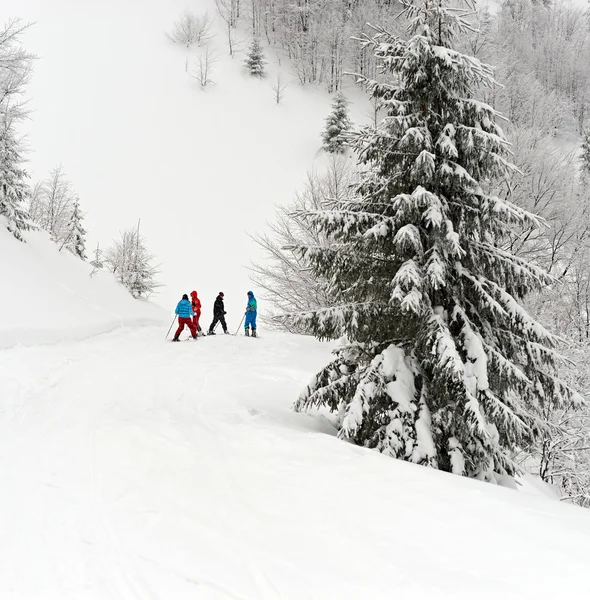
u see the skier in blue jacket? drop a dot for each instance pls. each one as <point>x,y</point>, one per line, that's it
<point>185,313</point>
<point>251,311</point>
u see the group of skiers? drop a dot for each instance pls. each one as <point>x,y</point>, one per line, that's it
<point>189,313</point>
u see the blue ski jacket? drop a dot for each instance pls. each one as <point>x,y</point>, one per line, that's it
<point>184,309</point>
<point>252,305</point>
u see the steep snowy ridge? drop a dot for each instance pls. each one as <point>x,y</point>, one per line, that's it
<point>49,296</point>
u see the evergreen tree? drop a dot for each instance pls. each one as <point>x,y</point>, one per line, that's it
<point>255,60</point>
<point>337,123</point>
<point>14,190</point>
<point>441,365</point>
<point>76,242</point>
<point>15,72</point>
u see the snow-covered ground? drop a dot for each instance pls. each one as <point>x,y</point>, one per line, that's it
<point>139,469</point>
<point>48,296</point>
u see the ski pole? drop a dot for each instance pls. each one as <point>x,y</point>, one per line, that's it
<point>174,319</point>
<point>238,329</point>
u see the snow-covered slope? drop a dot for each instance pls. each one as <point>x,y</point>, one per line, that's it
<point>48,296</point>
<point>138,137</point>
<point>136,470</point>
<point>139,469</point>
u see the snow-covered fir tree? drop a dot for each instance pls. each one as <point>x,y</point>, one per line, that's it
<point>15,73</point>
<point>132,264</point>
<point>337,123</point>
<point>439,362</point>
<point>14,189</point>
<point>255,61</point>
<point>76,241</point>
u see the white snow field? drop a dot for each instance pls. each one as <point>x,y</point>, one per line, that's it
<point>48,296</point>
<point>137,469</point>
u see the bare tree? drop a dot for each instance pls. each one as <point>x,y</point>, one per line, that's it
<point>284,276</point>
<point>36,202</point>
<point>255,15</point>
<point>561,455</point>
<point>548,185</point>
<point>228,11</point>
<point>279,89</point>
<point>16,67</point>
<point>191,29</point>
<point>53,203</point>
<point>204,67</point>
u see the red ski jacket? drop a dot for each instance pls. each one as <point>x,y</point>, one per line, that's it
<point>196,303</point>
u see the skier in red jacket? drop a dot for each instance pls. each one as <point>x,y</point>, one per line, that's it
<point>196,306</point>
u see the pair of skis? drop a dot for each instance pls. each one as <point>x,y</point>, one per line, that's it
<point>190,338</point>
<point>207,334</point>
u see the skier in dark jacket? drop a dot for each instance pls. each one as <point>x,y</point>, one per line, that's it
<point>218,315</point>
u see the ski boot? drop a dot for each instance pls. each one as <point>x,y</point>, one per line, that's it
<point>254,332</point>
<point>175,339</point>
<point>247,332</point>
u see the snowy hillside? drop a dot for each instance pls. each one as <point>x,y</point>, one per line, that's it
<point>184,475</point>
<point>49,296</point>
<point>138,469</point>
<point>140,139</point>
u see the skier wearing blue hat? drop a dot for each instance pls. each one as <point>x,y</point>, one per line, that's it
<point>251,311</point>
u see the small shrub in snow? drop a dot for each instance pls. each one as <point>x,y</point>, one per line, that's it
<point>255,61</point>
<point>337,123</point>
<point>97,262</point>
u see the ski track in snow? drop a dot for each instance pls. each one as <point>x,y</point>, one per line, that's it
<point>138,469</point>
<point>70,403</point>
